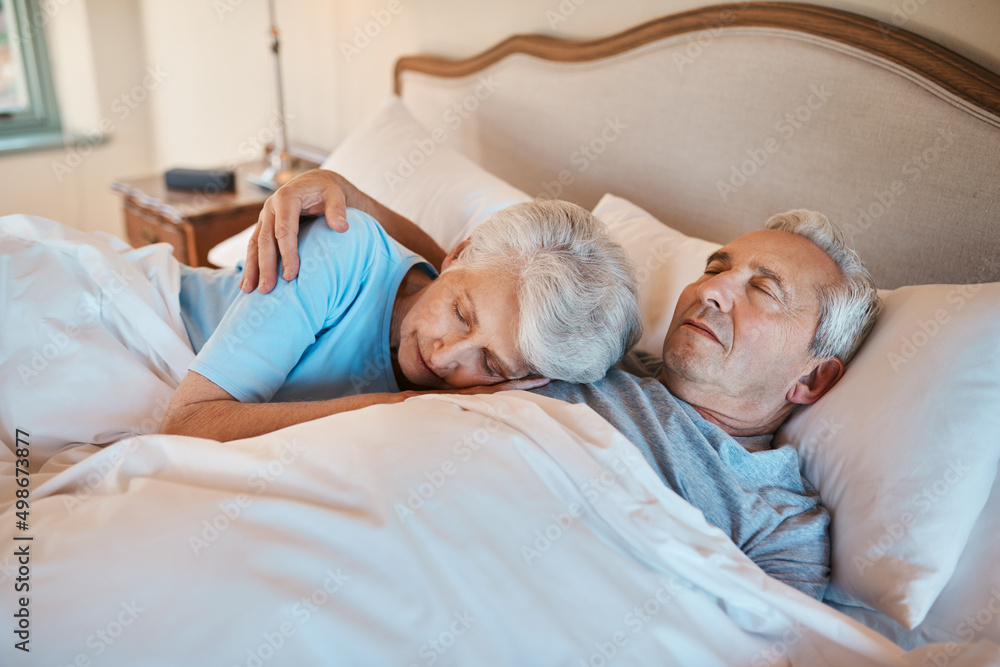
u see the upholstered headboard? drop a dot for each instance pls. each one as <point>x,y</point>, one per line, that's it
<point>715,119</point>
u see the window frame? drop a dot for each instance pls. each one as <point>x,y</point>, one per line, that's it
<point>39,125</point>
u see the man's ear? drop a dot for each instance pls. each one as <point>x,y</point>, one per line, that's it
<point>810,387</point>
<point>455,252</point>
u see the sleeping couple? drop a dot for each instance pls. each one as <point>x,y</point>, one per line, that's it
<point>539,292</point>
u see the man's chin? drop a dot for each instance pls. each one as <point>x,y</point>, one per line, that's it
<point>684,360</point>
<point>686,377</point>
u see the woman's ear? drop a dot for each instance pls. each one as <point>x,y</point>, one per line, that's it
<point>455,252</point>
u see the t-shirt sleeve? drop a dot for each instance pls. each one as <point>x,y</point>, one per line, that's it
<point>797,550</point>
<point>263,336</point>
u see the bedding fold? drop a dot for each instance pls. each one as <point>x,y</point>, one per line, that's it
<point>507,529</point>
<point>93,343</point>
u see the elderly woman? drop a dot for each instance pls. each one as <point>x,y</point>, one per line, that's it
<point>539,291</point>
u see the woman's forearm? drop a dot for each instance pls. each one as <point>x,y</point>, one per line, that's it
<point>403,230</point>
<point>227,419</point>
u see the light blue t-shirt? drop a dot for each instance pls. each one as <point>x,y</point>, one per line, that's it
<point>323,335</point>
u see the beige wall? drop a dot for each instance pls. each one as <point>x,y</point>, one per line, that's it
<point>97,53</point>
<point>210,103</point>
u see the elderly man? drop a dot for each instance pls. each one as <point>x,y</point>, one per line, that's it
<point>766,328</point>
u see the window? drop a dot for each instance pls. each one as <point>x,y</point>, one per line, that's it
<point>29,117</point>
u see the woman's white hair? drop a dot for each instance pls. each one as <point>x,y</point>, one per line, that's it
<point>849,308</point>
<point>579,306</point>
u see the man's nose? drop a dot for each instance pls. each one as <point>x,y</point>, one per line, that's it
<point>717,292</point>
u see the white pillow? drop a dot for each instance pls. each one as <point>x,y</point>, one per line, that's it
<point>666,262</point>
<point>904,449</point>
<point>414,172</point>
<point>231,251</point>
<point>918,408</point>
<point>411,170</point>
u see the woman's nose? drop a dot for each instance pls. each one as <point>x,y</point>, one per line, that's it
<point>452,352</point>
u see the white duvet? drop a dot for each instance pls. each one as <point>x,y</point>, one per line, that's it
<point>92,344</point>
<point>509,529</point>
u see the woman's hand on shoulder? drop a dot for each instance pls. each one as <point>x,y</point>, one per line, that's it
<point>315,192</point>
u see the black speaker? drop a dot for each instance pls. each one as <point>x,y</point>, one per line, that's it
<point>207,180</point>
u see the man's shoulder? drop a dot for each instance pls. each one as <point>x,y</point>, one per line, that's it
<point>640,364</point>
<point>639,407</point>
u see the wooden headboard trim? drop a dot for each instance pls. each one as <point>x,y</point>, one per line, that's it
<point>953,72</point>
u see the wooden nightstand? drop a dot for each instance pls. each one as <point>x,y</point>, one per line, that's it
<point>192,222</point>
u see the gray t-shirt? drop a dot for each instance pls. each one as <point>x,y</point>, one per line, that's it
<point>754,493</point>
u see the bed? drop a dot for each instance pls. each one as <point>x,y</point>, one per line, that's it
<point>515,529</point>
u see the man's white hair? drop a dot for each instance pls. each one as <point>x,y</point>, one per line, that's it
<point>579,305</point>
<point>849,308</point>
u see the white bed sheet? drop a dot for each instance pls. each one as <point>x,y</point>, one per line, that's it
<point>537,536</point>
